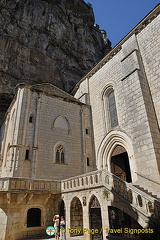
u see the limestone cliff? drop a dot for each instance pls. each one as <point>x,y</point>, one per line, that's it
<point>52,41</point>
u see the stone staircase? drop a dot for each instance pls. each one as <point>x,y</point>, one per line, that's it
<point>147,192</point>
<point>142,201</point>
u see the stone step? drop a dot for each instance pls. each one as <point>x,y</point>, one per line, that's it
<point>146,191</point>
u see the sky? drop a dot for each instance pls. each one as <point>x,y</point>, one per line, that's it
<point>118,17</point>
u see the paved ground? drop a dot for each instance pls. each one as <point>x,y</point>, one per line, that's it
<point>69,238</point>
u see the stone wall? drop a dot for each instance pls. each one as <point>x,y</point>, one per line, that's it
<point>131,69</point>
<point>36,125</point>
<point>14,214</point>
<point>148,40</point>
<point>10,130</point>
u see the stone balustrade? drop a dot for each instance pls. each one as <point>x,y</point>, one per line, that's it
<point>29,185</point>
<point>92,179</point>
<point>138,199</point>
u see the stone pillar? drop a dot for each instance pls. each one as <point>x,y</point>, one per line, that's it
<point>35,144</point>
<point>86,224</point>
<point>67,207</point>
<point>105,218</point>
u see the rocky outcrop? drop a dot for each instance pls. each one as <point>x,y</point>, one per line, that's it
<point>53,41</point>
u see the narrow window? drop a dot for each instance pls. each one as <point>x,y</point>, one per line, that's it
<point>27,155</point>
<point>57,156</point>
<point>87,161</point>
<point>112,111</point>
<point>31,119</point>
<point>34,217</point>
<point>87,131</point>
<point>62,157</point>
<point>60,154</point>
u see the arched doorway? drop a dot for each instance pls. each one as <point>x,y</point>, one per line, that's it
<point>34,217</point>
<point>76,216</point>
<point>62,210</point>
<point>95,218</point>
<point>120,163</point>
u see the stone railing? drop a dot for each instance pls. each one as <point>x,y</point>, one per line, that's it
<point>138,199</point>
<point>29,185</point>
<point>92,179</point>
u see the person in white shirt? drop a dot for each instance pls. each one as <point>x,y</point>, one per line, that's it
<point>56,226</point>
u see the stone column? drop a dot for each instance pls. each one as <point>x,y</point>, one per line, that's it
<point>105,217</point>
<point>86,225</point>
<point>67,207</point>
<point>35,144</point>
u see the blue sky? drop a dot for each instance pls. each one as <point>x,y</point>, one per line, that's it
<point>118,17</point>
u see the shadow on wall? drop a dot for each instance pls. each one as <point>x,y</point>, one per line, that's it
<point>153,223</point>
<point>126,220</point>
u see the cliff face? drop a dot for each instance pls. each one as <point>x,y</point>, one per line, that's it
<point>52,41</point>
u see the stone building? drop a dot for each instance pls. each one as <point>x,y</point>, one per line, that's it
<point>94,157</point>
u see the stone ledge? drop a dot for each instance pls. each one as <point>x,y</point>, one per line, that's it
<point>29,185</point>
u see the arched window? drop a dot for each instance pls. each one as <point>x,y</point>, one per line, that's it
<point>61,123</point>
<point>110,108</point>
<point>34,217</point>
<point>60,154</point>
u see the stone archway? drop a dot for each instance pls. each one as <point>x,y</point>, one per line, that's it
<point>34,217</point>
<point>120,163</point>
<point>118,219</point>
<point>62,210</point>
<point>107,146</point>
<point>76,217</point>
<point>95,219</point>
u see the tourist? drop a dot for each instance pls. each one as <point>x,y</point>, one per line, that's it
<point>56,226</point>
<point>62,229</point>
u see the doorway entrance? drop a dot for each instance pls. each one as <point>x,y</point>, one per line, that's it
<point>95,219</point>
<point>34,217</point>
<point>62,210</point>
<point>76,214</point>
<point>120,164</point>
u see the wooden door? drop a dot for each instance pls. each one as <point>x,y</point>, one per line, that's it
<point>118,167</point>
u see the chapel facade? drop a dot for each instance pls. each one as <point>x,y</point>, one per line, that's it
<point>93,156</point>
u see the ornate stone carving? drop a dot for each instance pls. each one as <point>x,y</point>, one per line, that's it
<point>95,203</point>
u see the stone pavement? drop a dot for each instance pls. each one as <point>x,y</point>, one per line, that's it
<point>68,238</point>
